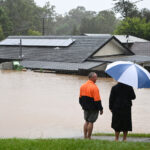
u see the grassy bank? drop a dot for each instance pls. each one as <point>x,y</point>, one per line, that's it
<point>129,135</point>
<point>69,144</point>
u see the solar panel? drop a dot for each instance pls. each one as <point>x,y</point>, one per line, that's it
<point>38,42</point>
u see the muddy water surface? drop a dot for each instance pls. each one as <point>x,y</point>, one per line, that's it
<point>44,105</point>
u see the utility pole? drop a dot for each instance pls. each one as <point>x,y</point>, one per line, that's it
<point>125,9</point>
<point>127,37</point>
<point>137,1</point>
<point>43,26</point>
<point>20,50</point>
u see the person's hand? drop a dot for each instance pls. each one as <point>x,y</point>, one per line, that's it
<point>101,112</point>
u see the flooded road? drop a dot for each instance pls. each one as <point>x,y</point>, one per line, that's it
<point>44,105</point>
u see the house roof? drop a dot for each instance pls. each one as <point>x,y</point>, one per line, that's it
<point>133,58</point>
<point>131,39</point>
<point>7,52</point>
<point>59,66</point>
<point>82,48</point>
<point>121,38</point>
<point>141,48</point>
<point>92,34</point>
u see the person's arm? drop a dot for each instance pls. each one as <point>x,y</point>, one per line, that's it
<point>80,97</point>
<point>99,106</point>
<point>111,99</point>
<point>97,100</point>
<point>132,94</point>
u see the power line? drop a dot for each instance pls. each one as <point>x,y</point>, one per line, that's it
<point>137,1</point>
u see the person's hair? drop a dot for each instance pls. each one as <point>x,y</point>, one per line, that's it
<point>91,74</point>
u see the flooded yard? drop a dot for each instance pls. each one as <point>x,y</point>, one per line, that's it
<point>44,105</point>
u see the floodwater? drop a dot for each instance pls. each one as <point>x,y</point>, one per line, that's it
<point>45,105</point>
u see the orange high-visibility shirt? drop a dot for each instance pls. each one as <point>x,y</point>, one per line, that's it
<point>91,90</point>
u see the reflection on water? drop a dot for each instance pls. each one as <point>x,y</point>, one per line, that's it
<point>36,105</point>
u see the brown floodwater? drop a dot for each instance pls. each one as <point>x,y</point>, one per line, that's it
<point>45,105</point>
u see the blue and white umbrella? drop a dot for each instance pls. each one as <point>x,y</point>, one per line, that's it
<point>129,73</point>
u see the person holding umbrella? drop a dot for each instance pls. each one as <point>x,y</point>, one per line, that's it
<point>128,75</point>
<point>120,103</point>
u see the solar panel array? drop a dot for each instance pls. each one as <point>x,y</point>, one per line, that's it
<point>38,42</point>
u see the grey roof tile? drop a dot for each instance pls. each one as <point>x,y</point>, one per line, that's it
<point>133,58</point>
<point>141,48</point>
<point>131,39</point>
<point>59,66</point>
<point>79,51</point>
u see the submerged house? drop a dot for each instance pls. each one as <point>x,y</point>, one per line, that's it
<point>68,54</point>
<point>126,40</point>
<point>129,40</point>
<point>142,49</point>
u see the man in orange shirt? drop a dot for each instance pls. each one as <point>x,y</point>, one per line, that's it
<point>90,102</point>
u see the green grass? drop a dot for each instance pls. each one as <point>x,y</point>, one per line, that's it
<point>129,135</point>
<point>69,144</point>
<point>18,68</point>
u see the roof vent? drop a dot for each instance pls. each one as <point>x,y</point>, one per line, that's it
<point>57,48</point>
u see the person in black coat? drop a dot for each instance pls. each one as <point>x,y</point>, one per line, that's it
<point>120,102</point>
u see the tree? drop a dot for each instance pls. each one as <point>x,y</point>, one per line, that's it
<point>126,8</point>
<point>134,26</point>
<point>79,13</point>
<point>145,13</point>
<point>25,15</point>
<point>75,30</point>
<point>103,22</point>
<point>33,32</point>
<point>48,16</point>
<point>5,23</point>
<point>106,21</point>
<point>20,14</point>
<point>72,20</point>
<point>1,33</point>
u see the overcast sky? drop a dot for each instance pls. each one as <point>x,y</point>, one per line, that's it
<point>63,6</point>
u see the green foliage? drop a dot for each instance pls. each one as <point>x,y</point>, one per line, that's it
<point>103,22</point>
<point>75,30</point>
<point>48,15</point>
<point>41,70</point>
<point>5,22</point>
<point>71,22</point>
<point>69,144</point>
<point>134,26</point>
<point>145,13</point>
<point>126,8</point>
<point>33,32</point>
<point>136,23</point>
<point>17,66</point>
<point>130,10</point>
<point>1,33</point>
<point>25,15</point>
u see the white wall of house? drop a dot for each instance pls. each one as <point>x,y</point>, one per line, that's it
<point>111,48</point>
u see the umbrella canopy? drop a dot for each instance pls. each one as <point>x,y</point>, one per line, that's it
<point>129,73</point>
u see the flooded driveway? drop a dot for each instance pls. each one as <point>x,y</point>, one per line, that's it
<point>44,105</point>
